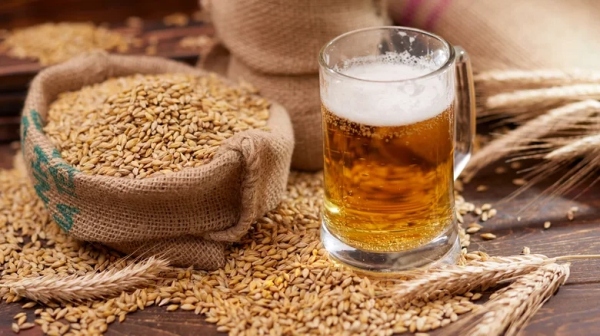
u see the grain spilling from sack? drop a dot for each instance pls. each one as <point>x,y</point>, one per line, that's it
<point>140,126</point>
<point>52,43</point>
<point>278,279</point>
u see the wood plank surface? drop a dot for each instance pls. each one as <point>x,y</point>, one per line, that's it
<point>573,311</point>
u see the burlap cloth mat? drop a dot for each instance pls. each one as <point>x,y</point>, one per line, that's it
<point>188,216</point>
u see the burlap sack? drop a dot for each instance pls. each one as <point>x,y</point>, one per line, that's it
<point>530,34</point>
<point>285,36</point>
<point>275,45</point>
<point>188,216</point>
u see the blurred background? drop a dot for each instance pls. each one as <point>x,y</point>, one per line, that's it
<point>505,34</point>
<point>23,13</point>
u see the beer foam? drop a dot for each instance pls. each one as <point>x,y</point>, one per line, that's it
<point>389,93</point>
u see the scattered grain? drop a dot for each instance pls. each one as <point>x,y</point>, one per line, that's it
<point>29,305</point>
<point>476,225</point>
<point>519,182</point>
<point>488,236</point>
<point>500,170</point>
<point>547,225</point>
<point>515,165</point>
<point>26,326</point>
<point>482,187</point>
<point>18,316</point>
<point>473,229</point>
<point>571,212</point>
<point>526,250</point>
<point>280,263</point>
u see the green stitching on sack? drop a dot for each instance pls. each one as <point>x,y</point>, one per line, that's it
<point>37,120</point>
<point>40,175</point>
<point>63,176</point>
<point>67,212</point>
<point>25,122</point>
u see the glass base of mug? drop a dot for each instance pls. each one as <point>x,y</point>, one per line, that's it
<point>444,249</point>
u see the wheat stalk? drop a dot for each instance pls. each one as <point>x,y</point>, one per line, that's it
<point>461,279</point>
<point>481,272</point>
<point>529,98</point>
<point>97,285</point>
<point>510,309</point>
<point>556,119</point>
<point>576,148</point>
<point>520,79</point>
<point>584,151</point>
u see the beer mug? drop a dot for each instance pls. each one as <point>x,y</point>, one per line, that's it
<point>398,111</point>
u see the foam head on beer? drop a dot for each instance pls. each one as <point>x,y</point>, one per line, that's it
<point>388,90</point>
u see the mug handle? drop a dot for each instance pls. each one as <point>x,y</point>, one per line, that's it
<point>464,125</point>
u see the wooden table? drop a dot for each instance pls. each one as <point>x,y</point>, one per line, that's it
<point>573,311</point>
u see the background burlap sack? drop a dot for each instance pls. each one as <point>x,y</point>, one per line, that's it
<point>530,34</point>
<point>188,216</point>
<point>284,36</point>
<point>275,44</point>
<point>301,97</point>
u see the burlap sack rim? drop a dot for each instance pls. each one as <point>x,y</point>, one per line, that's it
<point>233,233</point>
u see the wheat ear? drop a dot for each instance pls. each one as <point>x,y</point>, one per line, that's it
<point>461,279</point>
<point>556,119</point>
<point>576,149</point>
<point>519,79</point>
<point>530,98</point>
<point>96,285</point>
<point>511,308</point>
<point>585,152</point>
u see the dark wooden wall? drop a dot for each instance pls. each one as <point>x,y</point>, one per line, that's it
<point>21,13</point>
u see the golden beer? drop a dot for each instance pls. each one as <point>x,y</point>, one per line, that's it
<point>388,188</point>
<point>393,147</point>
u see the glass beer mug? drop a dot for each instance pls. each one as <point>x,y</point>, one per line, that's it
<point>398,113</point>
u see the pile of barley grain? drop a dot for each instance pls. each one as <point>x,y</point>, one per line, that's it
<point>140,126</point>
<point>278,279</point>
<point>52,43</point>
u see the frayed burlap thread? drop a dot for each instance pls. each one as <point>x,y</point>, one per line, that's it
<point>188,216</point>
